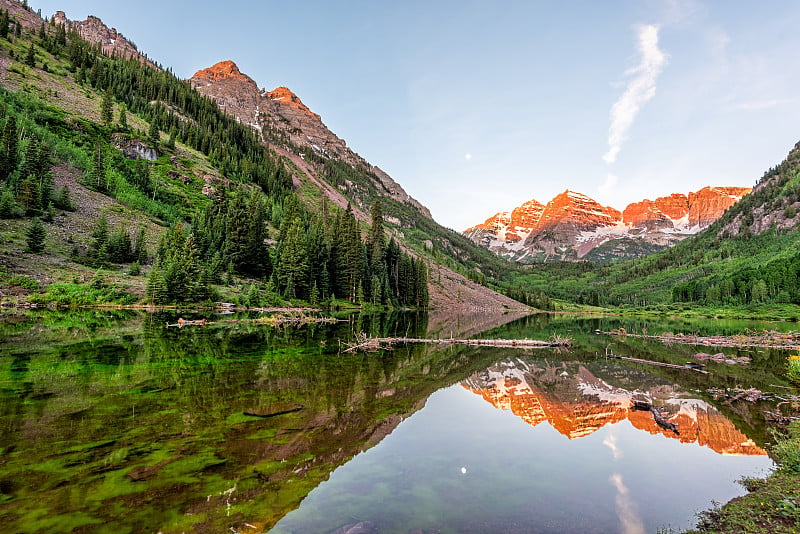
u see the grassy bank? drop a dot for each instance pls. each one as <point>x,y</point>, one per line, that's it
<point>772,504</point>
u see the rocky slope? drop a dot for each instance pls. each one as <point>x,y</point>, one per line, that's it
<point>572,226</point>
<point>286,123</point>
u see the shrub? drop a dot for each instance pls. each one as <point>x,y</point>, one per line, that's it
<point>787,451</point>
<point>793,368</point>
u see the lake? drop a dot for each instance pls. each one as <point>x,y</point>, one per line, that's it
<point>112,422</point>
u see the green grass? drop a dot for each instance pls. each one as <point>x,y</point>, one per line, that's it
<point>62,293</point>
<point>773,504</point>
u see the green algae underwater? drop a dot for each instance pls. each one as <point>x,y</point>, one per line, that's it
<point>112,422</point>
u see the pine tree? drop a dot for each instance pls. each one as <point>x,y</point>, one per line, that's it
<point>107,108</point>
<point>30,197</point>
<point>156,289</point>
<point>153,134</point>
<point>36,235</point>
<point>98,172</point>
<point>292,269</point>
<point>8,148</point>
<point>140,247</point>
<point>119,248</point>
<point>4,24</point>
<point>61,35</point>
<point>349,256</point>
<point>376,242</point>
<point>178,275</point>
<point>62,199</point>
<point>30,57</point>
<point>99,238</point>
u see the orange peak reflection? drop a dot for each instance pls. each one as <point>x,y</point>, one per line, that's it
<point>577,405</point>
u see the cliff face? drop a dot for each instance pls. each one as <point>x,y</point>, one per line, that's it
<point>572,225</point>
<point>287,123</point>
<point>576,403</point>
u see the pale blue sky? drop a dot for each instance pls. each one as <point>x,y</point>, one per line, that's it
<point>475,107</point>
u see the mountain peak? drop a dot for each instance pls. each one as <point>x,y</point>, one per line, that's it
<point>223,70</point>
<point>286,96</point>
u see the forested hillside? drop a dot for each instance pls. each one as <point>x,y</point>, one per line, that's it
<point>230,219</point>
<point>750,256</point>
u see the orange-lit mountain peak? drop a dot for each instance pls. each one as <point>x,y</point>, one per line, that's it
<point>284,95</point>
<point>223,70</point>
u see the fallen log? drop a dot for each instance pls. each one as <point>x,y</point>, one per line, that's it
<point>184,322</point>
<point>365,344</point>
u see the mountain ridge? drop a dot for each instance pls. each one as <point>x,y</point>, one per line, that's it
<point>572,225</point>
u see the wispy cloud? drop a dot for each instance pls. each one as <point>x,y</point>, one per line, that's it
<point>611,443</point>
<point>640,89</point>
<point>626,508</point>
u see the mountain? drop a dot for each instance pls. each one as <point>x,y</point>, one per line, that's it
<point>288,125</point>
<point>97,134</point>
<point>573,226</point>
<point>577,403</point>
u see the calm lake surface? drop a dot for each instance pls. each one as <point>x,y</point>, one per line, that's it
<point>111,422</point>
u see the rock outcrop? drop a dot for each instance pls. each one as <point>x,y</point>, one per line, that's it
<point>572,226</point>
<point>94,30</point>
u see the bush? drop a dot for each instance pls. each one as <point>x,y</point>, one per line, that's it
<point>80,294</point>
<point>8,205</point>
<point>787,451</point>
<point>793,368</point>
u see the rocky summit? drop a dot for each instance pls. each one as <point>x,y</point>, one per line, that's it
<point>289,126</point>
<point>573,226</point>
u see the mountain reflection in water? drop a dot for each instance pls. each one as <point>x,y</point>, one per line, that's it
<point>577,403</point>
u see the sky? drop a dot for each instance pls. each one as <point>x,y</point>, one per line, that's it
<point>475,107</point>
